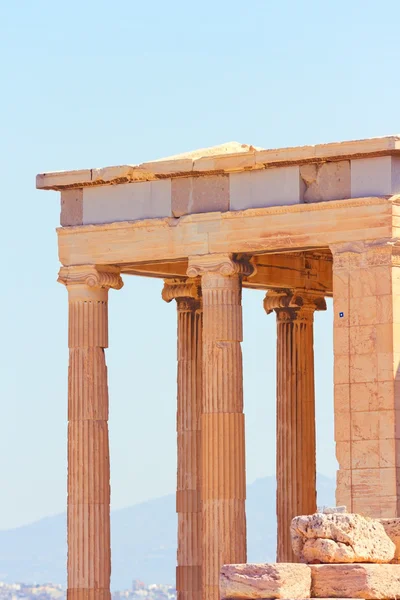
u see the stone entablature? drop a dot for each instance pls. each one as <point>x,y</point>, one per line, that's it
<point>231,177</point>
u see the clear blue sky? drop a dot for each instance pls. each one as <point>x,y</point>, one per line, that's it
<point>89,84</point>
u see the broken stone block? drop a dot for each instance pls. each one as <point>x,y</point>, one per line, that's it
<point>279,580</point>
<point>340,538</point>
<point>392,528</point>
<point>355,581</point>
<point>325,181</point>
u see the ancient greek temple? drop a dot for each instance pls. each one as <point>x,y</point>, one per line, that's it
<point>300,223</point>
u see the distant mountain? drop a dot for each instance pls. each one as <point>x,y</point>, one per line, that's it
<point>143,539</point>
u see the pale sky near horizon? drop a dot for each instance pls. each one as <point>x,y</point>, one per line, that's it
<point>89,84</point>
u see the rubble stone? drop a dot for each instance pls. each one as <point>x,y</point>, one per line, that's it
<point>392,528</point>
<point>340,538</point>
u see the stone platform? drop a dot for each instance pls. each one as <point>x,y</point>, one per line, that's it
<point>300,582</point>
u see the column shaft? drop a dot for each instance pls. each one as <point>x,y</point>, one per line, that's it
<point>295,415</point>
<point>189,379</point>
<point>295,460</point>
<point>89,565</point>
<point>188,503</point>
<point>222,423</point>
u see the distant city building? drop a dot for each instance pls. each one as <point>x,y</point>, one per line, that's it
<point>50,591</point>
<point>137,585</point>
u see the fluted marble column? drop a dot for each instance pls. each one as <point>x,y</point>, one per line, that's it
<point>188,502</point>
<point>223,474</point>
<point>295,415</point>
<point>89,565</point>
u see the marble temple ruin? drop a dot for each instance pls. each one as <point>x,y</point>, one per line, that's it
<point>300,223</point>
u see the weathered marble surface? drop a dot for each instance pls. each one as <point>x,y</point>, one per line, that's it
<point>340,538</point>
<point>392,528</point>
<point>371,582</point>
<point>279,580</point>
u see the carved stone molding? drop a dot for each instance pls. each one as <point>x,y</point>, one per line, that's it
<point>365,246</point>
<point>353,255</point>
<point>221,264</point>
<point>104,277</point>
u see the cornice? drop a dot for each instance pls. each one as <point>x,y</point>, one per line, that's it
<point>247,159</point>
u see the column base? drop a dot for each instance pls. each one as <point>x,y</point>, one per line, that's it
<point>88,594</point>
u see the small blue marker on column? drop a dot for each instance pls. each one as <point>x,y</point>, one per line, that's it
<point>341,315</point>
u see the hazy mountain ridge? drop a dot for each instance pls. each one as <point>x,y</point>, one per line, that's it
<point>143,539</point>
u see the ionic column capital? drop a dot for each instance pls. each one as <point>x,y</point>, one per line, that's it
<point>226,265</point>
<point>293,304</point>
<point>101,277</point>
<point>88,287</point>
<point>187,293</point>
